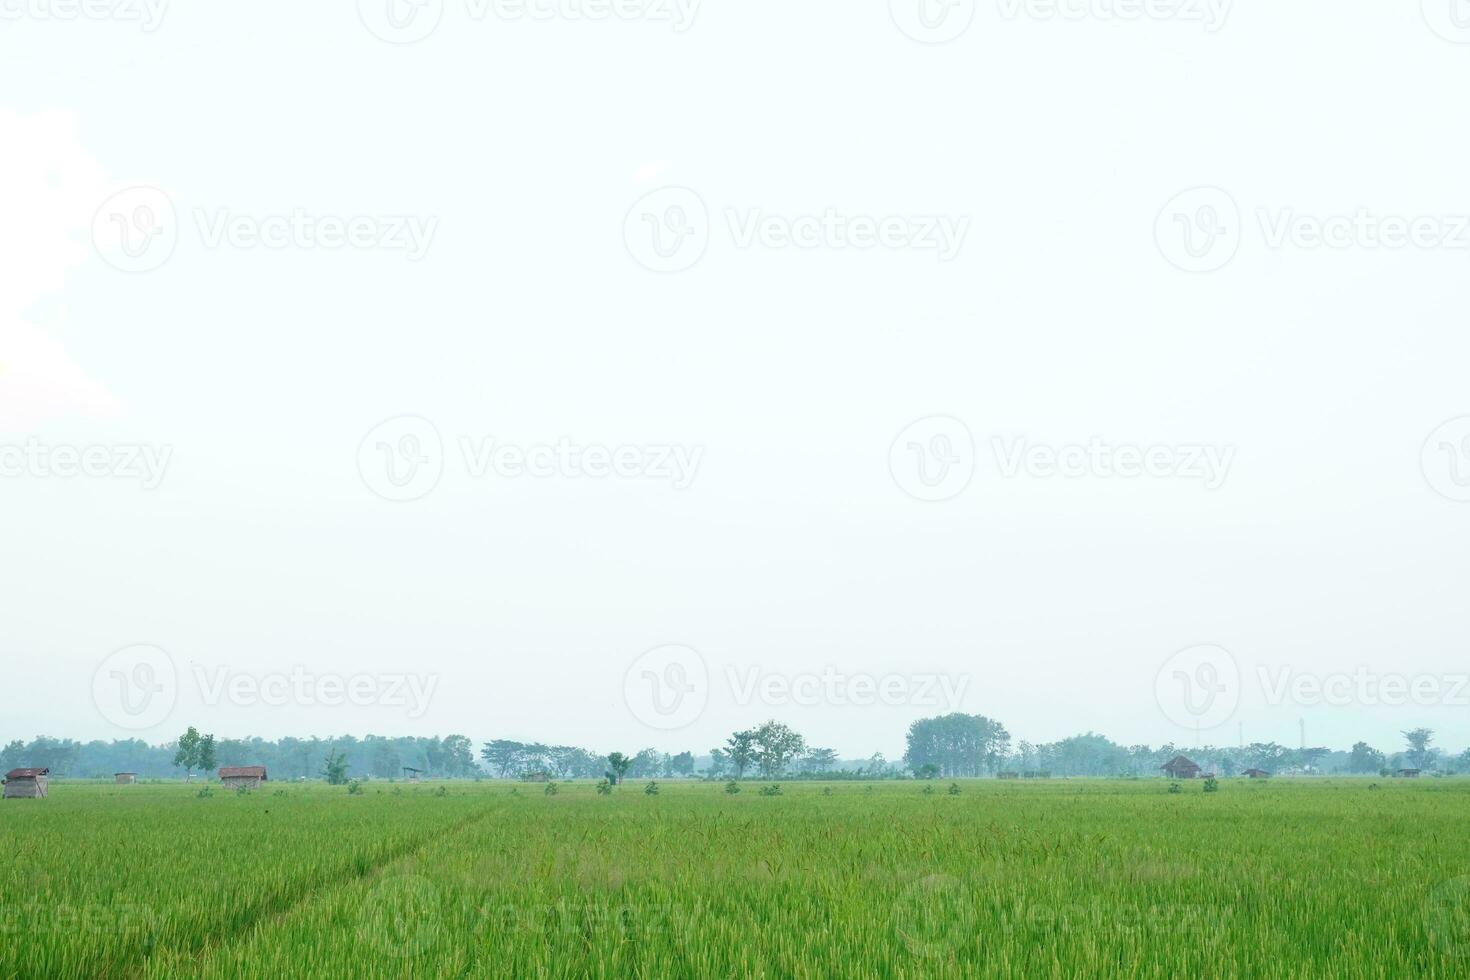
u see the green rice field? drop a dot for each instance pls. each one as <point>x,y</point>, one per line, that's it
<point>1065,878</point>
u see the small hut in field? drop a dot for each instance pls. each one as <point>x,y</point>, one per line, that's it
<point>249,777</point>
<point>26,784</point>
<point>1408,773</point>
<point>1256,774</point>
<point>411,774</point>
<point>1181,768</point>
<point>125,778</point>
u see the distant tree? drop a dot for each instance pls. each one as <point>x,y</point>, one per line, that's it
<point>386,763</point>
<point>1266,755</point>
<point>1365,759</point>
<point>741,750</point>
<point>719,763</point>
<point>649,762</point>
<point>819,760</point>
<point>680,765</point>
<point>617,767</point>
<point>959,744</point>
<point>776,745</point>
<point>335,768</point>
<point>206,755</point>
<point>504,757</point>
<point>13,756</point>
<point>457,756</point>
<point>187,755</point>
<point>1306,760</point>
<point>1419,753</point>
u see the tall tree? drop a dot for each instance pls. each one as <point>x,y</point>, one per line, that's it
<point>740,748</point>
<point>617,767</point>
<point>1419,753</point>
<point>776,745</point>
<point>187,756</point>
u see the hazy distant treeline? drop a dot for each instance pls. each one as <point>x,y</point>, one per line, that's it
<point>955,745</point>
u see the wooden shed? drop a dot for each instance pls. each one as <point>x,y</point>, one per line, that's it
<point>1181,768</point>
<point>411,774</point>
<point>125,778</point>
<point>1256,773</point>
<point>249,777</point>
<point>26,784</point>
<point>1408,773</point>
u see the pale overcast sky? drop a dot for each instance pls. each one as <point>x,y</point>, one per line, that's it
<point>984,375</point>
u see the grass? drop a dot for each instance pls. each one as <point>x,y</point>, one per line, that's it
<point>1343,878</point>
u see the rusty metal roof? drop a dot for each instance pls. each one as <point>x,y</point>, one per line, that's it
<point>250,772</point>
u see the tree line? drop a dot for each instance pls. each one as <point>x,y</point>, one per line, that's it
<point>953,745</point>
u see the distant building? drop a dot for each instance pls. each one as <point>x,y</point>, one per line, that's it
<point>26,784</point>
<point>1181,768</point>
<point>412,774</point>
<point>1409,773</point>
<point>1007,775</point>
<point>1256,773</point>
<point>125,778</point>
<point>537,777</point>
<point>248,776</point>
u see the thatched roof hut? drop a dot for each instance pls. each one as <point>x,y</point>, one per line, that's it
<point>1181,768</point>
<point>249,777</point>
